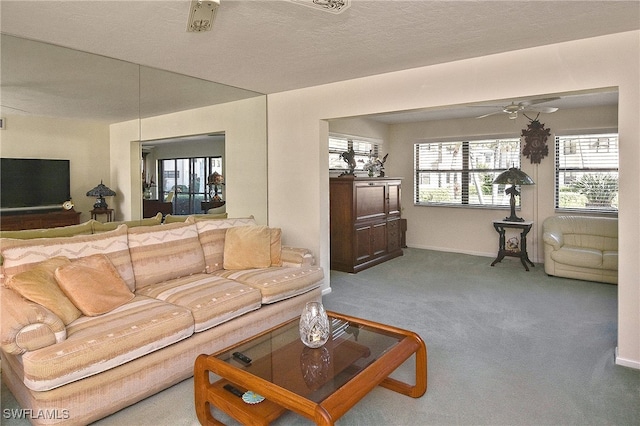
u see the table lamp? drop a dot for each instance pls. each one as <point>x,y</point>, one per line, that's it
<point>100,192</point>
<point>513,177</point>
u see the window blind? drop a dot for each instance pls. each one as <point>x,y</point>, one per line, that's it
<point>587,172</point>
<point>462,172</point>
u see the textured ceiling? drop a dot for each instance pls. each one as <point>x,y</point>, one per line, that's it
<point>273,46</point>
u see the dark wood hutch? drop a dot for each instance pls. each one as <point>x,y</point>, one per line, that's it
<point>365,222</point>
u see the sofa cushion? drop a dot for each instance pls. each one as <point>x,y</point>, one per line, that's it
<point>93,285</point>
<point>172,218</point>
<point>163,252</point>
<point>108,226</point>
<point>247,247</point>
<point>578,256</point>
<point>278,283</point>
<point>212,233</point>
<point>97,344</point>
<point>212,300</point>
<point>610,260</point>
<point>39,285</point>
<point>62,231</point>
<point>22,255</point>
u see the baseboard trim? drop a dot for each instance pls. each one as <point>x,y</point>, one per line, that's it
<point>449,250</point>
<point>626,362</point>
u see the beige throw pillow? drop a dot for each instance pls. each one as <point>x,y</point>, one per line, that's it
<point>39,285</point>
<point>276,247</point>
<point>93,285</point>
<point>247,247</point>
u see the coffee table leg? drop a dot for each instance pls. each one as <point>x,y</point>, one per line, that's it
<point>420,387</point>
<point>201,384</point>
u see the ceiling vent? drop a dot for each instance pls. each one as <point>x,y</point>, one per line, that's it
<point>202,14</point>
<point>332,6</point>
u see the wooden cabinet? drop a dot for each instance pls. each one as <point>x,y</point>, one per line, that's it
<point>16,222</point>
<point>150,208</point>
<point>365,222</point>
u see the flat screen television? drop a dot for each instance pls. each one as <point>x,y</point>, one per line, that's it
<point>33,184</point>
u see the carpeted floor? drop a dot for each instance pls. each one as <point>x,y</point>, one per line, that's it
<point>506,347</point>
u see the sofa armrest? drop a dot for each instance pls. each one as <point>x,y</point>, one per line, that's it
<point>27,326</point>
<point>553,239</point>
<point>292,256</point>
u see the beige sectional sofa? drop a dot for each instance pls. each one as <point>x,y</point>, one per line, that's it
<point>581,247</point>
<point>134,306</point>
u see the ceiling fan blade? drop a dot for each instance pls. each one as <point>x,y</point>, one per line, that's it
<point>539,101</point>
<point>491,113</point>
<point>546,110</point>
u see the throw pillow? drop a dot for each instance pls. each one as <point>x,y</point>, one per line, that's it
<point>39,285</point>
<point>211,234</point>
<point>21,255</point>
<point>93,285</point>
<point>276,247</point>
<point>247,247</point>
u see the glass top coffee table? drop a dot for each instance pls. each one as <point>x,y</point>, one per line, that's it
<point>321,384</point>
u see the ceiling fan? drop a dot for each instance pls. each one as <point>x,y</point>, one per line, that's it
<point>525,106</point>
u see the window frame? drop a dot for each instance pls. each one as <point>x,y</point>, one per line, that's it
<point>576,148</point>
<point>466,171</point>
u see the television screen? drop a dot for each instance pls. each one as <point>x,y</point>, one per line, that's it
<point>27,182</point>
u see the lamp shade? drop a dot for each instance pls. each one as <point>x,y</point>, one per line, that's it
<point>513,176</point>
<point>100,192</point>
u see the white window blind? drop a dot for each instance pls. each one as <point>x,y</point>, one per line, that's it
<point>587,173</point>
<point>462,173</point>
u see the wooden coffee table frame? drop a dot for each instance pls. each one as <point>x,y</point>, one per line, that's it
<point>278,399</point>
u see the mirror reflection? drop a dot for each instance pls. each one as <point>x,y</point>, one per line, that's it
<point>103,114</point>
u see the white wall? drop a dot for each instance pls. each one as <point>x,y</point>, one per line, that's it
<point>244,125</point>
<point>298,188</point>
<point>84,143</point>
<point>360,126</point>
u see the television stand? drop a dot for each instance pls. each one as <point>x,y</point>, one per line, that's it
<point>17,222</point>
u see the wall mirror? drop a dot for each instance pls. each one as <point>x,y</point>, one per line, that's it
<point>95,111</point>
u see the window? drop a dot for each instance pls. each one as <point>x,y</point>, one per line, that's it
<point>363,148</point>
<point>187,178</point>
<point>462,173</point>
<point>587,173</point>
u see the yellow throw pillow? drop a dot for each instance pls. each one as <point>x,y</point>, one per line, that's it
<point>93,285</point>
<point>247,247</point>
<point>39,285</point>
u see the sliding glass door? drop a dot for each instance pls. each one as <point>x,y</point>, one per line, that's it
<point>184,180</point>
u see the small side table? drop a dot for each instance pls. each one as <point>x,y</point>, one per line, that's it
<point>500,226</point>
<point>108,212</point>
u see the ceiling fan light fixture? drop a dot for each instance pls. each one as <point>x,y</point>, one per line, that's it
<point>513,115</point>
<point>201,15</point>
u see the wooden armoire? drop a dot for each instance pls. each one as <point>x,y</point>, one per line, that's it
<point>365,221</point>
